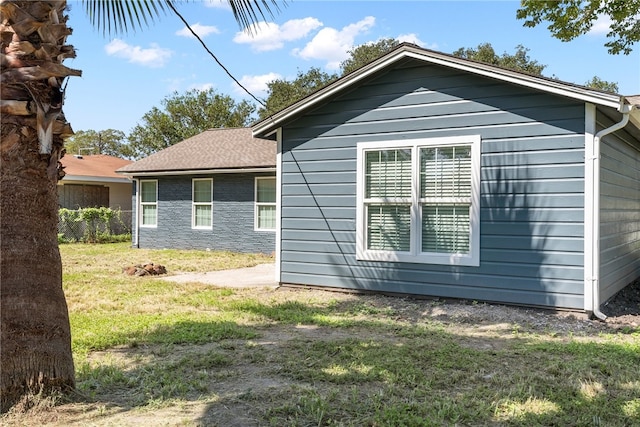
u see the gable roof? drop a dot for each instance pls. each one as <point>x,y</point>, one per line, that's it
<point>222,150</point>
<point>406,51</point>
<point>98,167</point>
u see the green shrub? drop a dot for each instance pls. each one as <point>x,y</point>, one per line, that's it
<point>90,225</point>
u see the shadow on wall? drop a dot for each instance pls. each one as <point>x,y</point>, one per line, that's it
<point>514,232</point>
<point>527,235</point>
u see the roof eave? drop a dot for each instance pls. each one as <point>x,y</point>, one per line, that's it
<point>198,171</point>
<point>269,124</point>
<point>86,178</point>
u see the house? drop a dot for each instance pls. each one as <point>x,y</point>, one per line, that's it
<point>426,174</point>
<point>92,181</point>
<point>215,190</point>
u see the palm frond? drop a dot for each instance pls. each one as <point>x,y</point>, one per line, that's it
<point>119,16</point>
<point>248,12</point>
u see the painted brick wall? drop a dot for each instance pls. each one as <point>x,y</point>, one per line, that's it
<point>233,217</point>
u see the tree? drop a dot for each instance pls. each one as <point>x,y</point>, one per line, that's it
<point>283,93</point>
<point>569,19</point>
<point>109,141</point>
<point>597,83</point>
<point>35,339</point>
<point>184,116</point>
<point>366,53</point>
<point>519,61</point>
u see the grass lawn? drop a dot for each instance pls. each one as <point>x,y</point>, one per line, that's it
<point>156,353</point>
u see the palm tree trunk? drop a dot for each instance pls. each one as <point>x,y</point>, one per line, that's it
<point>35,338</point>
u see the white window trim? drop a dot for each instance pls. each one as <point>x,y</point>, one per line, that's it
<point>141,213</point>
<point>258,204</point>
<point>415,255</point>
<point>194,204</point>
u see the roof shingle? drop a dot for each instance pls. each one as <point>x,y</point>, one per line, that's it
<point>232,148</point>
<point>99,166</point>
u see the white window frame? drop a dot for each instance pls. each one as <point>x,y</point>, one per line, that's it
<point>142,204</point>
<point>415,255</point>
<point>257,206</point>
<point>195,204</point>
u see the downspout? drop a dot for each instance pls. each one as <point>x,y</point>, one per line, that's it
<point>278,248</point>
<point>136,217</point>
<point>595,207</point>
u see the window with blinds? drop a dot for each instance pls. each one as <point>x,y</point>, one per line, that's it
<point>418,200</point>
<point>265,213</point>
<point>202,212</point>
<point>445,198</point>
<point>388,193</point>
<point>388,227</point>
<point>148,203</point>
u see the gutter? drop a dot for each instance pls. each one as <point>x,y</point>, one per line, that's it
<point>81,178</point>
<point>594,205</point>
<point>197,171</point>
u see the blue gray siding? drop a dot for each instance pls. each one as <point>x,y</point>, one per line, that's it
<point>619,211</point>
<point>531,191</point>
<point>233,216</point>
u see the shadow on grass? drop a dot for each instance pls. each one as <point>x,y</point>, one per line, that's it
<point>359,367</point>
<point>439,381</point>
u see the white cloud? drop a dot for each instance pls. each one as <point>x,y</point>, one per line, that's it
<point>332,45</point>
<point>201,30</point>
<point>257,85</point>
<point>154,57</point>
<point>413,38</point>
<point>265,36</point>
<point>601,26</point>
<point>218,4</point>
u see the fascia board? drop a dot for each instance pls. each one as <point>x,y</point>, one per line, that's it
<point>533,82</point>
<point>80,178</point>
<point>269,124</point>
<point>197,172</point>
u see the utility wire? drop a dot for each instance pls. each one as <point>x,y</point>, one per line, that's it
<point>261,102</point>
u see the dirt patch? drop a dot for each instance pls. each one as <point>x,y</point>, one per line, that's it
<point>624,308</point>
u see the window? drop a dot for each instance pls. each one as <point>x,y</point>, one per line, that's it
<point>148,203</point>
<point>202,203</point>
<point>418,200</point>
<point>265,214</point>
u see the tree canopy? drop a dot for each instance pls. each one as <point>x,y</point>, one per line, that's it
<point>185,115</point>
<point>568,19</point>
<point>110,141</point>
<point>283,93</point>
<point>365,53</point>
<point>519,61</point>
<point>597,83</point>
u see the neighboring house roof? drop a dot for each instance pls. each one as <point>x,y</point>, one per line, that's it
<point>98,168</point>
<point>229,150</point>
<point>406,51</point>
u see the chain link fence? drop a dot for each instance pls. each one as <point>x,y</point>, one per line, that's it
<point>72,227</point>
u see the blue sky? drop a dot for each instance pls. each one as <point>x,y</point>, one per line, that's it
<point>125,76</point>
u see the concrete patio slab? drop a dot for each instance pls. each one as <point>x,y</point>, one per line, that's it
<point>259,276</point>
